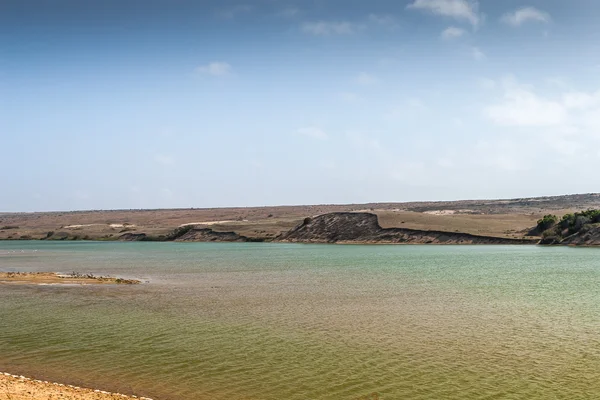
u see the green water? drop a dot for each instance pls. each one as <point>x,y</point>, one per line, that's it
<point>282,321</point>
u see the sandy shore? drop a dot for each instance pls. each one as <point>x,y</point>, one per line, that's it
<point>13,387</point>
<point>53,278</point>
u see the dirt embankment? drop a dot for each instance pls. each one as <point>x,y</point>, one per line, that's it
<point>191,234</point>
<point>365,228</point>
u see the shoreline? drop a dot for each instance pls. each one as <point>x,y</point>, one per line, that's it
<point>55,278</point>
<point>19,387</point>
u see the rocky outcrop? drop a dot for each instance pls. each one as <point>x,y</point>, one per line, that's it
<point>587,236</point>
<point>133,237</point>
<point>208,235</point>
<point>365,228</point>
<point>332,228</point>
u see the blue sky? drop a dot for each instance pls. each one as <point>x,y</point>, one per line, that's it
<point>152,104</point>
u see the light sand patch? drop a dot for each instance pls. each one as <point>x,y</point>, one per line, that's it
<point>210,222</point>
<point>449,212</point>
<point>14,387</point>
<point>80,226</point>
<point>440,212</point>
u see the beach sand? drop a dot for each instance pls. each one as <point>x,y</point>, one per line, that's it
<point>13,387</point>
<point>53,278</point>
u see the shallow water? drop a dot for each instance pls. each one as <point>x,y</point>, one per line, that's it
<point>287,321</point>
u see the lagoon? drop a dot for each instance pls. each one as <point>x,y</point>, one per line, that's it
<point>290,321</point>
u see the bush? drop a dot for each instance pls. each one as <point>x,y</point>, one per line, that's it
<point>547,222</point>
<point>574,223</point>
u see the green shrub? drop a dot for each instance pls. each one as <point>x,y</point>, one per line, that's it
<point>547,222</point>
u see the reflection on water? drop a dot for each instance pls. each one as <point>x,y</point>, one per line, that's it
<point>278,321</point>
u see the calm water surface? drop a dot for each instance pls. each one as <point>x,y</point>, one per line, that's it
<point>282,321</point>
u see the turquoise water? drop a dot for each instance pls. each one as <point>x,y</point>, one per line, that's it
<point>287,321</point>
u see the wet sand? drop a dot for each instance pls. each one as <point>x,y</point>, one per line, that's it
<point>14,387</point>
<point>53,278</point>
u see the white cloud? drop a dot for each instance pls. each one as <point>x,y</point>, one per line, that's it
<point>578,100</point>
<point>216,68</point>
<point>452,32</point>
<point>313,132</point>
<point>524,108</point>
<point>570,119</point>
<point>478,54</point>
<point>327,28</point>
<point>525,14</point>
<point>458,9</point>
<point>367,79</point>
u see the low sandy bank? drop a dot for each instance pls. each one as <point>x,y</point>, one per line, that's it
<point>53,278</point>
<point>13,387</point>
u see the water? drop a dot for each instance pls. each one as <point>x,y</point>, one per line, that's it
<point>286,321</point>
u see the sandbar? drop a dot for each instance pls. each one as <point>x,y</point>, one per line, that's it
<point>54,278</point>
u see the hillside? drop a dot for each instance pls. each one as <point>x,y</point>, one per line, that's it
<point>577,229</point>
<point>508,219</point>
<point>364,228</point>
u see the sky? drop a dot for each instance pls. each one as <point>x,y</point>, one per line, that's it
<point>166,104</point>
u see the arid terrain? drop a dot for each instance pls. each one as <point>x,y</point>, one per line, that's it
<point>512,219</point>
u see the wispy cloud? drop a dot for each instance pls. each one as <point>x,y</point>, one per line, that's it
<point>349,97</point>
<point>486,83</point>
<point>477,54</point>
<point>313,132</point>
<point>384,20</point>
<point>452,32</point>
<point>458,9</point>
<point>327,28</point>
<point>215,68</point>
<point>569,120</point>
<point>366,79</point>
<point>522,107</point>
<point>525,14</point>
